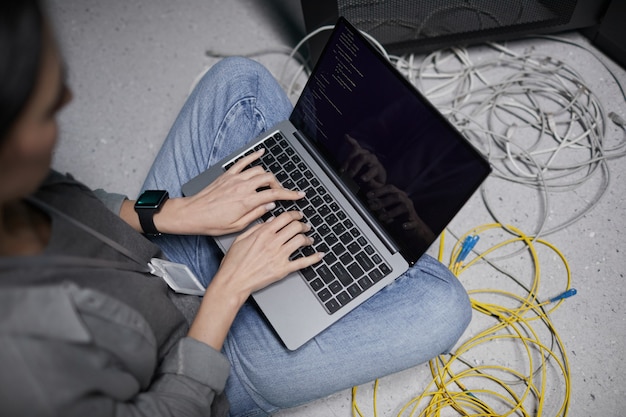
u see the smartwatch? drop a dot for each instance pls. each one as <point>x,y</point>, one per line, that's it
<point>147,205</point>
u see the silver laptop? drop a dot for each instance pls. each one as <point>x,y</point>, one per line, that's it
<point>384,173</point>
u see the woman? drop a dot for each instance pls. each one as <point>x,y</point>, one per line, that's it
<point>85,329</point>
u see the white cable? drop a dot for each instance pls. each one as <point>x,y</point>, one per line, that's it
<point>521,121</point>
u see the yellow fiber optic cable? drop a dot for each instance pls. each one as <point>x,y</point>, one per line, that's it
<point>481,389</point>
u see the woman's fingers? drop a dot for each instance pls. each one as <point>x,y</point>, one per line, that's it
<point>274,241</point>
<point>285,231</point>
<point>256,173</point>
<point>261,186</point>
<point>240,165</point>
<point>261,255</point>
<point>277,224</point>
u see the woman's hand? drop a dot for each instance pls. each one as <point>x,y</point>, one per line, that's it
<point>256,259</point>
<point>227,205</point>
<point>260,255</point>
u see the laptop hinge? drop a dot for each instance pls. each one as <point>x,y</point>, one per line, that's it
<point>380,232</point>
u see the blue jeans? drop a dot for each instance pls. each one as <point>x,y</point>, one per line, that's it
<point>414,319</point>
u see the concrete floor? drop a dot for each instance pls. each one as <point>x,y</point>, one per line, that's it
<point>131,64</point>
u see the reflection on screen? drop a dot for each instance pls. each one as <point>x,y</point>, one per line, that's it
<point>406,164</point>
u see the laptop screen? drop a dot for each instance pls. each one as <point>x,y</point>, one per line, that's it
<point>403,160</point>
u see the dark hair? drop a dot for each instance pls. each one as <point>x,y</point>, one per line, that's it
<point>21,33</point>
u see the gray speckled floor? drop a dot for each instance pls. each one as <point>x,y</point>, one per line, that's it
<point>131,65</point>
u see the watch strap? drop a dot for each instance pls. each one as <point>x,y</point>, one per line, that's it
<point>146,219</point>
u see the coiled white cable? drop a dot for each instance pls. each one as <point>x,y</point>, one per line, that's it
<point>532,115</point>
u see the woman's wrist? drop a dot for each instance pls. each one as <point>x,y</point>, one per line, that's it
<point>167,220</point>
<point>217,312</point>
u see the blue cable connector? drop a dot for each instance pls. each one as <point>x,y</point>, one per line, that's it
<point>468,245</point>
<point>567,294</point>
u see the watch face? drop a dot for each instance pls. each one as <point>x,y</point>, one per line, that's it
<point>151,199</point>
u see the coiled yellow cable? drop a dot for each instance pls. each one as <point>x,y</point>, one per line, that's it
<point>480,389</point>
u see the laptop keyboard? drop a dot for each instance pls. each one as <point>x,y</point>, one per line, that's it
<point>351,264</point>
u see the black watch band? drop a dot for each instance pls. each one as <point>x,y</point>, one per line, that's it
<point>147,205</point>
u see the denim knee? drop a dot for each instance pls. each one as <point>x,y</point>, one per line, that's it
<point>233,69</point>
<point>454,309</point>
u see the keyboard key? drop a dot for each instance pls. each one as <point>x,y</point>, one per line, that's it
<point>341,274</point>
<point>354,290</point>
<point>343,297</point>
<point>335,287</point>
<point>282,159</point>
<point>331,239</point>
<point>308,251</point>
<point>302,203</point>
<point>354,247</point>
<point>338,229</point>
<point>364,261</point>
<point>338,249</point>
<point>281,176</point>
<point>317,284</point>
<point>346,259</point>
<point>375,275</point>
<point>332,306</point>
<point>316,220</point>
<point>355,270</point>
<point>275,149</point>
<point>330,257</point>
<point>324,295</point>
<point>365,283</point>
<point>274,167</point>
<point>289,166</point>
<point>270,141</point>
<point>323,230</point>
<point>309,273</point>
<point>302,184</point>
<point>325,273</point>
<point>309,212</point>
<point>345,238</point>
<point>316,201</point>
